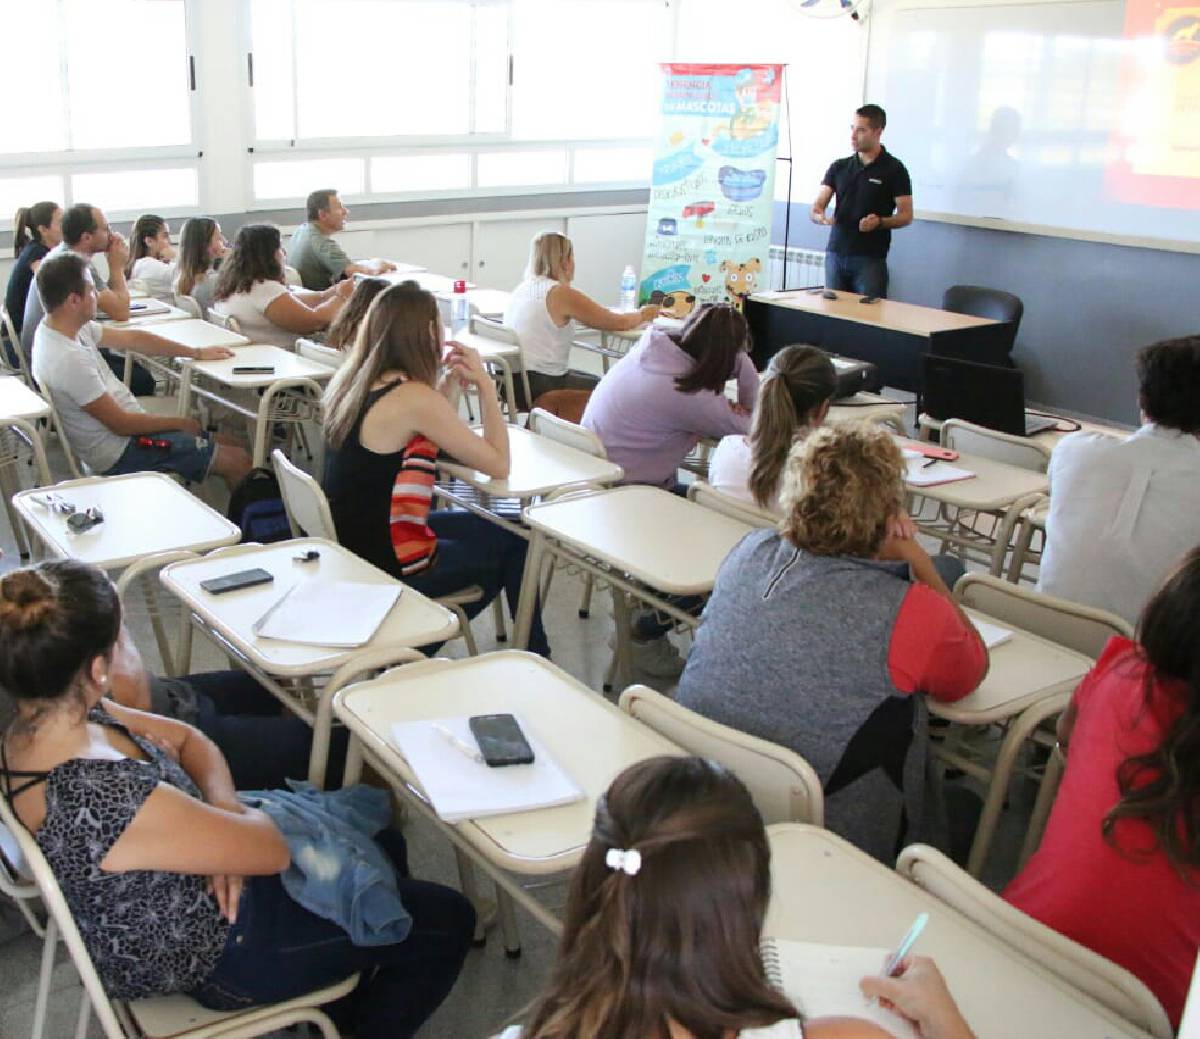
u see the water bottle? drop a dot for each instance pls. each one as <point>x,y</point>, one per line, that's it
<point>460,309</point>
<point>628,289</point>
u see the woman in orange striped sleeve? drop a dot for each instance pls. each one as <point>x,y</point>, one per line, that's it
<point>389,410</point>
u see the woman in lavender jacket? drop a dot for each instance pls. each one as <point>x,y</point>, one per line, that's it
<point>668,393</point>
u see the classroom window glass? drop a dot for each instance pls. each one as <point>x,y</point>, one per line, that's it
<point>295,178</point>
<point>404,173</point>
<point>16,192</point>
<point>518,168</point>
<point>137,190</point>
<point>612,165</point>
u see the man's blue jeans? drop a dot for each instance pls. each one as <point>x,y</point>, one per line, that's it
<point>866,275</point>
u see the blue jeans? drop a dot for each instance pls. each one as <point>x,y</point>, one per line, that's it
<point>472,550</point>
<point>278,950</point>
<point>866,275</point>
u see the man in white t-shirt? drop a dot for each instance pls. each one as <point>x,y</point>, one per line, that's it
<point>1124,512</point>
<point>101,419</point>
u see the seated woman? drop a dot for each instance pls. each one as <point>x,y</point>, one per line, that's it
<point>201,248</point>
<point>389,411</point>
<point>1118,869</point>
<point>175,884</point>
<point>345,326</point>
<point>251,289</point>
<point>36,230</point>
<point>793,400</point>
<point>668,393</point>
<point>817,635</point>
<point>542,310</point>
<point>664,920</point>
<point>152,256</point>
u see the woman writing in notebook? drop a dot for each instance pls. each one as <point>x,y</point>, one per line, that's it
<point>175,884</point>
<point>389,410</point>
<point>663,930</point>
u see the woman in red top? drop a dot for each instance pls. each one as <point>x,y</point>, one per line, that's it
<point>1118,869</point>
<point>389,410</point>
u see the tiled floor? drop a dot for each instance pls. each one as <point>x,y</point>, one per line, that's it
<point>492,987</point>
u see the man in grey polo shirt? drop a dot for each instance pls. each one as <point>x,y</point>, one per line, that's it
<point>313,251</point>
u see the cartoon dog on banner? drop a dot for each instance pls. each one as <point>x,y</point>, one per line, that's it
<point>741,279</point>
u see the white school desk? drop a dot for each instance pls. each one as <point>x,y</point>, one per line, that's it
<point>504,356</point>
<point>287,669</point>
<point>192,333</point>
<point>428,280</point>
<point>144,514</point>
<point>290,394</point>
<point>1029,680</point>
<point>491,303</point>
<point>642,541</point>
<point>868,407</point>
<point>172,313</point>
<point>402,269</point>
<point>586,735</point>
<point>539,466</point>
<point>20,409</point>
<point>825,890</point>
<point>931,428</point>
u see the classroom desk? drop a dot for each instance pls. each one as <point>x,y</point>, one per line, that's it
<point>289,395</point>
<point>889,334</point>
<point>587,736</point>
<point>191,332</point>
<point>144,514</point>
<point>931,429</point>
<point>996,488</point>
<point>428,280</point>
<point>490,303</point>
<point>20,410</point>
<point>539,466</point>
<point>1029,680</point>
<point>288,669</point>
<point>642,541</point>
<point>172,313</point>
<point>825,890</point>
<point>503,355</point>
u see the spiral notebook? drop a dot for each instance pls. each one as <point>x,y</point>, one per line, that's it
<point>822,980</point>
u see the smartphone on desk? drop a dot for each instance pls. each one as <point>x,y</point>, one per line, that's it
<point>500,739</point>
<point>236,581</point>
<point>254,369</point>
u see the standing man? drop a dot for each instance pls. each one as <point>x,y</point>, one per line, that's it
<point>313,251</point>
<point>874,198</point>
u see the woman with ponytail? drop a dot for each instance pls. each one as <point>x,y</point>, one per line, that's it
<point>664,923</point>
<point>36,230</point>
<point>152,256</point>
<point>793,398</point>
<point>1118,869</point>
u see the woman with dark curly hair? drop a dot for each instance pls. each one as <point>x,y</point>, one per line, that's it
<point>1118,869</point>
<point>817,634</point>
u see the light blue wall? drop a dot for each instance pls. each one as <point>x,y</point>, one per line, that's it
<point>1088,306</point>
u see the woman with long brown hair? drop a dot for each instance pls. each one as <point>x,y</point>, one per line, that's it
<point>664,922</point>
<point>1118,869</point>
<point>389,410</point>
<point>201,249</point>
<point>151,255</point>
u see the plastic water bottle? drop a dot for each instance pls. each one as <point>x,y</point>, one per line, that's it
<point>628,289</point>
<point>460,309</point>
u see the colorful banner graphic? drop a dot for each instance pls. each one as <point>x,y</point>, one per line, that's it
<point>1158,138</point>
<point>708,229</point>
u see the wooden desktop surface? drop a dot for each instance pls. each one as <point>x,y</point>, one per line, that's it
<point>886,313</point>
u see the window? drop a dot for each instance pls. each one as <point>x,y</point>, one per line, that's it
<point>405,173</point>
<point>515,168</point>
<point>140,189</point>
<point>296,178</point>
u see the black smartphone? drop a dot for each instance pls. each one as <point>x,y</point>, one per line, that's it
<point>500,739</point>
<point>234,582</point>
<point>253,369</point>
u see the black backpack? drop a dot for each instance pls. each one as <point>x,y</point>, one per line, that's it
<point>256,506</point>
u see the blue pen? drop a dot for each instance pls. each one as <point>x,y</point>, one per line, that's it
<point>892,969</point>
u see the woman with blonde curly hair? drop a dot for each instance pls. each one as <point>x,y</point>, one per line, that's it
<point>818,634</point>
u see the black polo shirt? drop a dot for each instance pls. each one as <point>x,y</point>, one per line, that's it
<point>861,190</point>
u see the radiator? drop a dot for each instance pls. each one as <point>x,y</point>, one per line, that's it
<point>804,268</point>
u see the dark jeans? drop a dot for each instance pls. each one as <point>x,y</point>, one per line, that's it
<point>472,550</point>
<point>278,950</point>
<point>142,382</point>
<point>949,568</point>
<point>263,742</point>
<point>866,275</point>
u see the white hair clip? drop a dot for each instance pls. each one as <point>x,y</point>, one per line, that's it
<point>628,862</point>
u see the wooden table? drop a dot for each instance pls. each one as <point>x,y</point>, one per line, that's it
<point>587,736</point>
<point>288,669</point>
<point>642,541</point>
<point>825,890</point>
<point>290,394</point>
<point>887,333</point>
<point>20,410</point>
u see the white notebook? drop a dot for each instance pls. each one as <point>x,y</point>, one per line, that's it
<point>459,788</point>
<point>940,472</point>
<point>822,980</point>
<point>321,612</point>
<point>992,634</point>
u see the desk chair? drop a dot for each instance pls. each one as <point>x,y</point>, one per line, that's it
<point>22,891</point>
<point>784,786</point>
<point>703,493</point>
<point>12,350</point>
<point>1082,629</point>
<point>1080,967</point>
<point>188,303</point>
<point>230,324</point>
<point>176,1016</point>
<point>490,328</point>
<point>983,302</point>
<point>76,468</point>
<point>320,353</point>
<point>1032,521</point>
<point>309,516</point>
<point>961,527</point>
